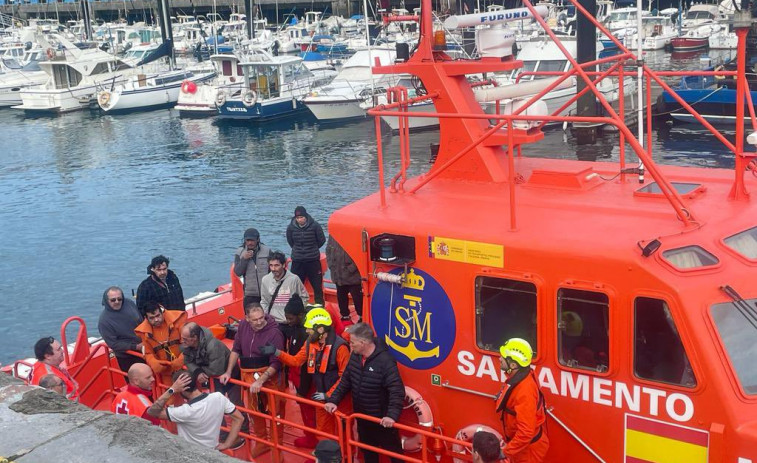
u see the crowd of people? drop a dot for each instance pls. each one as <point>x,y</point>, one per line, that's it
<point>282,341</point>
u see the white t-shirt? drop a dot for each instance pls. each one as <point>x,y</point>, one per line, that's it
<point>199,420</point>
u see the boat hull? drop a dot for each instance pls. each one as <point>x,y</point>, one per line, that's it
<point>689,43</point>
<point>717,106</point>
<point>333,110</point>
<point>260,111</point>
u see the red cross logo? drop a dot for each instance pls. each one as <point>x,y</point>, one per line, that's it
<point>122,408</point>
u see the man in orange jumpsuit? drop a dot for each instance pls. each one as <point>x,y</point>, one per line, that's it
<point>50,356</point>
<point>520,404</point>
<point>160,333</point>
<point>326,355</point>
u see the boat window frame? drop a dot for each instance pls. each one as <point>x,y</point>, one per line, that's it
<point>677,323</point>
<point>732,372</point>
<point>735,253</point>
<point>611,296</point>
<point>688,271</point>
<point>538,283</point>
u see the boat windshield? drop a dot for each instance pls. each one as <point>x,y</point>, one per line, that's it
<point>698,15</point>
<point>736,323</point>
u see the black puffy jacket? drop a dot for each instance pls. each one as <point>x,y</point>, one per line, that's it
<point>305,241</point>
<point>376,386</point>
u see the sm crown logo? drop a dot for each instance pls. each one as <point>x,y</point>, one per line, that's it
<point>415,319</point>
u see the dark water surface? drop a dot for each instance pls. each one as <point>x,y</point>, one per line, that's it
<point>87,200</point>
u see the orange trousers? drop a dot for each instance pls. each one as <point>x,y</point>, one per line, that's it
<point>251,401</point>
<point>534,453</point>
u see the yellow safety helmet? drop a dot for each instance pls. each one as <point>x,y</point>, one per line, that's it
<point>317,316</point>
<point>519,350</point>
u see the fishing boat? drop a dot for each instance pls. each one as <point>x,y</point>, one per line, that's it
<point>712,96</point>
<point>696,38</point>
<point>273,87</point>
<point>633,281</point>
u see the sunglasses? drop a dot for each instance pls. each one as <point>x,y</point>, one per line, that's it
<point>116,299</point>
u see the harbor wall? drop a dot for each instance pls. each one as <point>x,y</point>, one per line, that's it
<point>38,425</point>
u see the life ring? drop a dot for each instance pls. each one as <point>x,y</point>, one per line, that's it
<point>232,79</point>
<point>249,98</point>
<point>188,87</point>
<point>414,400</point>
<point>50,53</point>
<point>220,98</point>
<point>718,69</point>
<point>466,435</point>
<point>103,98</point>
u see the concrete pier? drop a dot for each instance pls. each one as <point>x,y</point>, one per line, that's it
<point>37,425</point>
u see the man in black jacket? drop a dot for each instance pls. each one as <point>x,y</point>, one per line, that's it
<point>116,325</point>
<point>306,238</point>
<point>377,390</point>
<point>161,287</point>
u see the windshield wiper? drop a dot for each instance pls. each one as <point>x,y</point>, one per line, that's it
<point>741,305</point>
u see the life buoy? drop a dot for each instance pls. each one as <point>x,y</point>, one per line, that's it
<point>220,98</point>
<point>188,87</point>
<point>718,69</point>
<point>232,79</point>
<point>414,400</point>
<point>466,435</point>
<point>249,98</point>
<point>50,53</point>
<point>103,98</point>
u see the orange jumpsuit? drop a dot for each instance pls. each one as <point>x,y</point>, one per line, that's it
<point>324,421</point>
<point>161,345</point>
<point>523,419</point>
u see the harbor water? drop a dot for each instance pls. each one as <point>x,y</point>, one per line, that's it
<point>86,200</point>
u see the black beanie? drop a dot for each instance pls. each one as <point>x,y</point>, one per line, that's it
<point>252,234</point>
<point>300,211</point>
<point>294,306</point>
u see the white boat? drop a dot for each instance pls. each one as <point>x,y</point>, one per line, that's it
<point>414,123</point>
<point>142,92</point>
<point>545,56</point>
<point>622,18</point>
<point>201,100</point>
<point>701,14</point>
<point>657,32</point>
<point>74,78</point>
<point>724,39</point>
<point>341,98</point>
<point>18,74</point>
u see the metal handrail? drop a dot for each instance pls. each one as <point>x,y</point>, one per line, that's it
<point>205,298</point>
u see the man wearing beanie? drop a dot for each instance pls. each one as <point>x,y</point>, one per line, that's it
<point>306,238</point>
<point>251,262</point>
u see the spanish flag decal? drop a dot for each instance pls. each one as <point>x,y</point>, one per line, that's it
<point>652,441</point>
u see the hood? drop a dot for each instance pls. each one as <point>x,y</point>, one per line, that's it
<point>308,223</point>
<point>105,300</point>
<point>172,318</point>
<point>380,347</point>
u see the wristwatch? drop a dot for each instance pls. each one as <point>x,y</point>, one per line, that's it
<point>170,391</point>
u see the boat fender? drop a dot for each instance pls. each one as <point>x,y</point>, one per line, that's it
<point>466,435</point>
<point>249,98</point>
<point>103,98</point>
<point>425,418</point>
<point>220,98</point>
<point>50,53</point>
<point>188,87</point>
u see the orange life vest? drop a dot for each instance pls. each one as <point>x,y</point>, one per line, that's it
<point>517,391</point>
<point>40,369</point>
<point>133,401</point>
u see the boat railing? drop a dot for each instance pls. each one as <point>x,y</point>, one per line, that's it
<point>433,442</point>
<point>193,301</point>
<point>94,380</point>
<point>18,363</point>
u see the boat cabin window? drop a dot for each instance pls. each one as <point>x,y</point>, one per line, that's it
<point>736,323</point>
<point>264,80</point>
<point>552,65</point>
<point>658,351</point>
<point>745,243</point>
<point>583,329</point>
<point>689,257</point>
<point>65,76</point>
<point>119,65</point>
<point>100,68</point>
<point>504,309</point>
<point>226,67</point>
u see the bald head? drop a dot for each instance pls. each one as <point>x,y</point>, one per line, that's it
<point>141,375</point>
<point>190,335</point>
